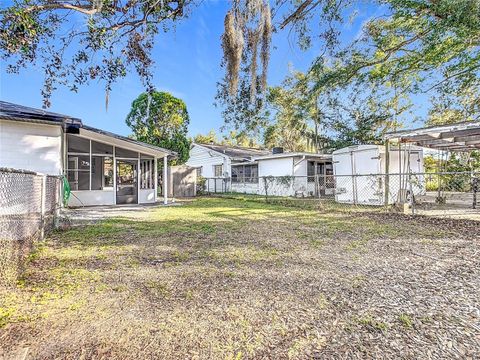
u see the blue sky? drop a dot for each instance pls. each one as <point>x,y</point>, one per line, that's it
<point>187,64</point>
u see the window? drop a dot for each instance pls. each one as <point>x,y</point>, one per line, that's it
<point>245,173</point>
<point>311,171</point>
<point>199,171</point>
<point>217,170</point>
<point>78,173</point>
<point>102,172</point>
<point>90,165</point>
<point>147,174</point>
<point>89,170</point>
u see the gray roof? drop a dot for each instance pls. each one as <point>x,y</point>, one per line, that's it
<point>236,152</point>
<point>17,112</point>
<point>307,155</point>
<point>127,139</point>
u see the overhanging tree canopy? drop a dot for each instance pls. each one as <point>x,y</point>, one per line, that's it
<point>83,40</point>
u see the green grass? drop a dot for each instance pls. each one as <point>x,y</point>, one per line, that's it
<point>238,277</point>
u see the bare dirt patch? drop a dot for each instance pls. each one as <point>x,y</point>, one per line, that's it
<point>230,279</point>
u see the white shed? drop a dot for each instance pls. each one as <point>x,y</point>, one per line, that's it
<point>361,175</point>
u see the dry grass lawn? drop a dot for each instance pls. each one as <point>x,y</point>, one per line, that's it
<point>232,279</point>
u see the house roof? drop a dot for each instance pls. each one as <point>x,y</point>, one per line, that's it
<point>10,111</point>
<point>235,152</point>
<point>129,140</point>
<point>15,112</point>
<point>464,136</point>
<point>294,154</point>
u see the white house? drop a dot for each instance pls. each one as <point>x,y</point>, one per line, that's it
<point>239,169</point>
<point>102,168</point>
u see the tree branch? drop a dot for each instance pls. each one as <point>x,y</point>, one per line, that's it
<point>297,14</point>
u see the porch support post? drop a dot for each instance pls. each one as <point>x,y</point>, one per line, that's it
<point>165,180</point>
<point>114,176</point>
<point>139,178</point>
<point>155,178</point>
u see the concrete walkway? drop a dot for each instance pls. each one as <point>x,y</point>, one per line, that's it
<point>92,214</point>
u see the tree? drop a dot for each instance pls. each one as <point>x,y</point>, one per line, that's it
<point>415,46</point>
<point>210,138</point>
<point>233,138</point>
<point>451,106</point>
<point>248,30</point>
<point>160,119</point>
<point>288,128</point>
<point>118,34</point>
<point>296,114</point>
<point>242,138</point>
<point>305,118</point>
<point>421,44</point>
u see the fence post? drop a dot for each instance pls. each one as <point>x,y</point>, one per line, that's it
<point>387,172</point>
<point>43,206</point>
<point>476,185</point>
<point>58,201</point>
<point>412,199</point>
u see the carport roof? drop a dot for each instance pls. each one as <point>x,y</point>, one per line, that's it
<point>463,136</point>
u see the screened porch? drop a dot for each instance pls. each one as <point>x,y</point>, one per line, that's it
<point>108,170</point>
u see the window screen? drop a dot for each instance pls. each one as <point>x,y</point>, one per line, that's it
<point>100,148</point>
<point>245,173</point>
<point>77,144</point>
<point>124,153</point>
<point>79,172</point>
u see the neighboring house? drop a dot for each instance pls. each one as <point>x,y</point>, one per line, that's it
<point>102,168</point>
<point>213,160</point>
<point>238,169</point>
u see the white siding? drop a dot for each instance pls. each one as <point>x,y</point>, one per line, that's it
<point>200,156</point>
<point>300,166</point>
<point>91,197</point>
<point>146,196</point>
<point>29,146</point>
<point>275,167</point>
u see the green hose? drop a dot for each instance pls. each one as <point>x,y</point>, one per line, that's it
<point>66,191</point>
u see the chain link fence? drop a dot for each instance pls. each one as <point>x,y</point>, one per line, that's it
<point>29,205</point>
<point>438,194</point>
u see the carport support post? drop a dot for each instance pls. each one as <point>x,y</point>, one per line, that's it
<point>165,180</point>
